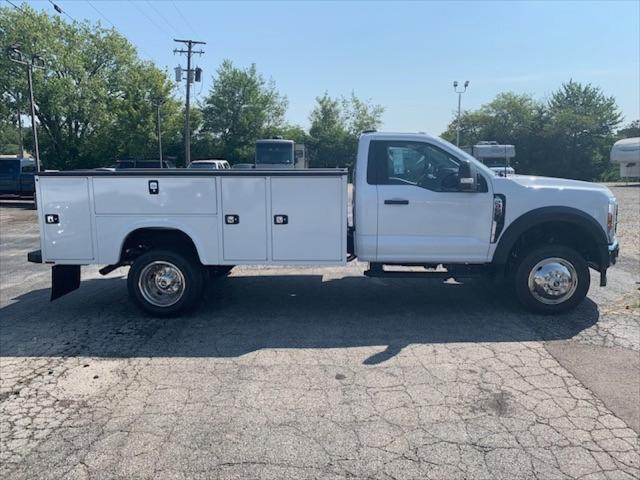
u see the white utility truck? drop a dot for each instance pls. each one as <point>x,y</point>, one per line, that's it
<point>418,201</point>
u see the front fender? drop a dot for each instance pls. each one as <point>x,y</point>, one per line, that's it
<point>539,216</point>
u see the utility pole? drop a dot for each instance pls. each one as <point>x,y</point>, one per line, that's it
<point>190,77</point>
<point>15,55</point>
<point>19,115</point>
<point>459,92</point>
<point>158,105</point>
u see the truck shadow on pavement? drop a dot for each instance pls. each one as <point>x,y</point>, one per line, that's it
<point>243,314</point>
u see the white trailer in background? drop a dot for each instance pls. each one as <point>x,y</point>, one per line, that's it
<point>626,153</point>
<point>495,156</point>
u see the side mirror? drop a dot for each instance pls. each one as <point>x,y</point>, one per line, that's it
<point>467,177</point>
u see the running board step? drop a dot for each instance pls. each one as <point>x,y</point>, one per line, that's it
<point>455,271</point>
<point>399,274</point>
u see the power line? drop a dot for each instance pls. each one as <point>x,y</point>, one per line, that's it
<point>101,14</point>
<point>186,22</point>
<point>135,4</point>
<point>59,10</point>
<point>14,5</point>
<point>144,52</point>
<point>164,19</point>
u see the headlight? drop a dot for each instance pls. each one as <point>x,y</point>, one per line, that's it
<point>612,220</point>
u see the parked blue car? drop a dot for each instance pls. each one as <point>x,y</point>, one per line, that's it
<point>17,176</point>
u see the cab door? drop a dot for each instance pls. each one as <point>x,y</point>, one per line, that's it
<point>422,216</point>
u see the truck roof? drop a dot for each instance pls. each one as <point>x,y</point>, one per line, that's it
<point>274,140</point>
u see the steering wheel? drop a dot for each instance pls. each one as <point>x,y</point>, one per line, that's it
<point>449,181</point>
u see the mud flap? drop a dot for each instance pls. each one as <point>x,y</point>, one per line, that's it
<point>64,279</point>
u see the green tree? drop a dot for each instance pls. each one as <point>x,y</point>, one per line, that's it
<point>568,136</point>
<point>239,109</point>
<point>9,136</point>
<point>328,133</point>
<point>509,118</point>
<point>335,127</point>
<point>629,131</point>
<point>94,97</point>
<point>580,130</point>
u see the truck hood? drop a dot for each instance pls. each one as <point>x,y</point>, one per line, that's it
<point>557,184</point>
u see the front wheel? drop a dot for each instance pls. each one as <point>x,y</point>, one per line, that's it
<point>165,283</point>
<point>552,279</point>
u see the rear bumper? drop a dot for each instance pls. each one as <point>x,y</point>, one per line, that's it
<point>35,256</point>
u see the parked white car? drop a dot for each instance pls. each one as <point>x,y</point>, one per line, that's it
<point>216,164</point>
<point>418,201</point>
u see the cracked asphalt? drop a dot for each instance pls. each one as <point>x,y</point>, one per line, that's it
<point>316,373</point>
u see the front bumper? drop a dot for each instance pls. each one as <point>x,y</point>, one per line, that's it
<point>608,257</point>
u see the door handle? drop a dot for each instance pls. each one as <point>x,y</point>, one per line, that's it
<point>396,201</point>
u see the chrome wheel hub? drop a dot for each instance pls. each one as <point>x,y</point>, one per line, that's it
<point>553,280</point>
<point>161,283</point>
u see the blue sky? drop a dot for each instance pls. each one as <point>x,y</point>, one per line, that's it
<point>401,55</point>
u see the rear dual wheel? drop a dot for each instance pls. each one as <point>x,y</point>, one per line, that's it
<point>165,283</point>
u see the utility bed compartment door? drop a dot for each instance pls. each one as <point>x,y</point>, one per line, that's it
<point>244,218</point>
<point>66,218</point>
<point>314,210</point>
<point>139,195</point>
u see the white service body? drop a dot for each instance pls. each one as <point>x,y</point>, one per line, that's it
<point>97,213</point>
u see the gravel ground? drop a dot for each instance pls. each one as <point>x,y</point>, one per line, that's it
<point>316,373</point>
<point>628,223</point>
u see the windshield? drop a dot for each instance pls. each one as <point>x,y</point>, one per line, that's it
<point>274,153</point>
<point>495,162</point>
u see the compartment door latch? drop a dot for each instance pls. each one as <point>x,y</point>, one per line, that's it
<point>154,187</point>
<point>51,219</point>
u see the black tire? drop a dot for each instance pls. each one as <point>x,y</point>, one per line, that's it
<point>532,301</point>
<point>189,267</point>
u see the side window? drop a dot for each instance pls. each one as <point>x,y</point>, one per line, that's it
<point>412,163</point>
<point>8,166</point>
<point>28,169</point>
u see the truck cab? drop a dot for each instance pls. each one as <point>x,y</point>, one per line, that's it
<point>17,176</point>
<point>423,208</point>
<point>420,200</point>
